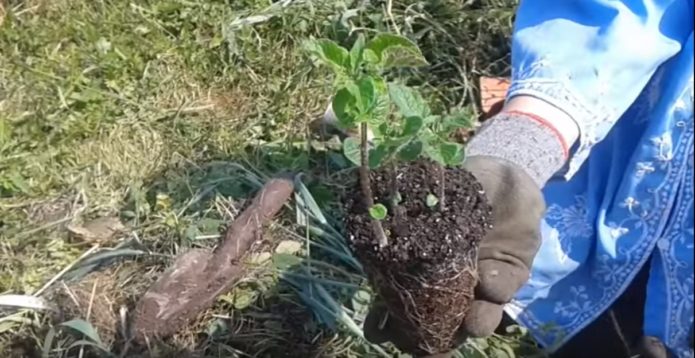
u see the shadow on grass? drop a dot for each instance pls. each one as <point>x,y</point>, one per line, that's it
<point>300,296</point>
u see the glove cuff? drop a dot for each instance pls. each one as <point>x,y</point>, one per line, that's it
<point>523,140</point>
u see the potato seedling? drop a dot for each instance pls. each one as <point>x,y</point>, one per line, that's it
<point>419,217</point>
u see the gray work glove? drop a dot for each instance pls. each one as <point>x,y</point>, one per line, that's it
<point>507,251</point>
<point>512,156</point>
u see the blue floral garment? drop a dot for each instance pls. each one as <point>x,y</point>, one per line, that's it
<point>624,71</point>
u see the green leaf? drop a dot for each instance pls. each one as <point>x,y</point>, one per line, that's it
<point>378,212</point>
<point>377,155</point>
<point>351,150</point>
<point>360,301</point>
<point>384,41</point>
<point>370,56</point>
<point>410,151</point>
<point>367,94</point>
<point>399,57</point>
<point>356,52</point>
<point>409,102</point>
<point>382,130</point>
<point>432,152</point>
<point>452,153</point>
<point>446,153</point>
<point>329,52</point>
<point>285,261</point>
<point>431,200</point>
<point>391,50</point>
<point>382,105</point>
<point>457,120</point>
<point>432,119</point>
<point>84,328</point>
<point>412,126</point>
<point>342,105</point>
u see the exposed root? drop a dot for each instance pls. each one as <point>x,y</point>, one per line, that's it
<point>436,307</point>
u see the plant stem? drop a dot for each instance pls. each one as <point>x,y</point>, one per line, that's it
<point>442,188</point>
<point>393,187</point>
<point>393,192</point>
<point>366,186</point>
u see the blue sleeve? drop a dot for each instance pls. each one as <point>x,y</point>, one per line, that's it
<point>592,58</point>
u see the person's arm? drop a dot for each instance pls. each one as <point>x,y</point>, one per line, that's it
<point>578,65</point>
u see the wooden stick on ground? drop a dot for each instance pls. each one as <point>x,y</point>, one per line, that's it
<point>199,276</point>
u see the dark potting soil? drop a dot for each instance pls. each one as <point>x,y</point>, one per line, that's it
<point>418,234</point>
<point>426,274</point>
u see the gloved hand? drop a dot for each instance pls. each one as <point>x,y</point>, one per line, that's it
<point>512,157</point>
<point>507,251</point>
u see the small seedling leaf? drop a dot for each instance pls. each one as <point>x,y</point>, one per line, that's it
<point>410,151</point>
<point>384,41</point>
<point>378,212</point>
<point>382,105</point>
<point>452,153</point>
<point>391,50</point>
<point>409,102</point>
<point>367,94</point>
<point>377,155</point>
<point>446,153</point>
<point>412,126</point>
<point>356,52</point>
<point>343,101</point>
<point>351,150</point>
<point>432,200</point>
<point>399,57</point>
<point>370,56</point>
<point>85,328</point>
<point>329,52</point>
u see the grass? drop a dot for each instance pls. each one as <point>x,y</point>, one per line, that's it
<point>139,111</point>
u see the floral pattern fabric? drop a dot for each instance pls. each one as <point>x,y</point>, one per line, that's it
<point>623,70</point>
